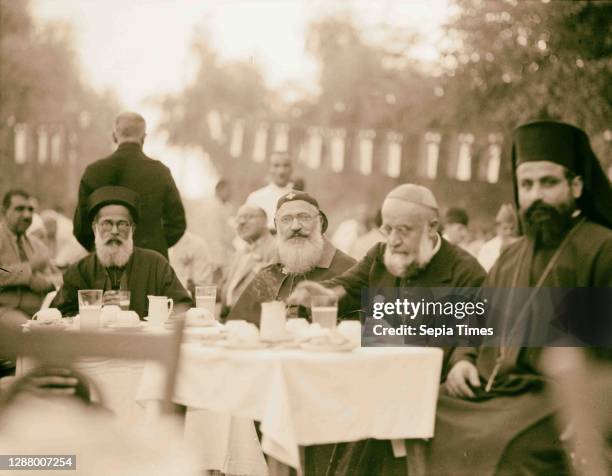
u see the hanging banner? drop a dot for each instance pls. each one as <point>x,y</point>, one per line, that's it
<point>336,145</point>
<point>281,138</point>
<point>432,154</point>
<point>261,139</point>
<point>43,145</point>
<point>394,154</point>
<point>315,147</point>
<point>366,151</point>
<point>237,139</point>
<point>21,141</point>
<point>464,159</point>
<point>494,158</point>
<point>56,148</point>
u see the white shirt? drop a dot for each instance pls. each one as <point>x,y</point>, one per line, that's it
<point>489,253</point>
<point>267,197</point>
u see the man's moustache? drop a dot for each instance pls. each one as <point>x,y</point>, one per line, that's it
<point>298,235</point>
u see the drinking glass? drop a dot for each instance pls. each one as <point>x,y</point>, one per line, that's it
<point>324,311</point>
<point>118,297</point>
<point>205,297</point>
<point>90,308</point>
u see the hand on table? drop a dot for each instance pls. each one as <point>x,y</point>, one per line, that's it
<point>462,377</point>
<point>306,289</point>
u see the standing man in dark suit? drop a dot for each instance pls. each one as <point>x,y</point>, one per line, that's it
<point>162,217</point>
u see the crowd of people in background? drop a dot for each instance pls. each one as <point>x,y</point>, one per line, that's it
<point>275,246</point>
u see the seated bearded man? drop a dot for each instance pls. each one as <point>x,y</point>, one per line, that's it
<point>413,256</point>
<point>116,264</point>
<point>304,253</point>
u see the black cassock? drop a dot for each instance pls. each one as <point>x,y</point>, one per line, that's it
<point>473,435</point>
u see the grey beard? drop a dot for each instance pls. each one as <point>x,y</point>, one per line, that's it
<point>113,255</point>
<point>302,254</point>
<point>401,265</point>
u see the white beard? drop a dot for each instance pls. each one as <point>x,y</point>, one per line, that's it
<point>400,264</point>
<point>299,255</point>
<point>114,255</point>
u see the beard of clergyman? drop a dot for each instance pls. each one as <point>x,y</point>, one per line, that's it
<point>300,253</point>
<point>547,224</point>
<point>402,264</point>
<point>114,251</point>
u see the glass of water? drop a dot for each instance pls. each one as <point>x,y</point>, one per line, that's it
<point>90,308</point>
<point>324,311</point>
<point>205,297</point>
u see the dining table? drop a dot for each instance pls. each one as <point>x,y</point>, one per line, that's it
<point>301,397</point>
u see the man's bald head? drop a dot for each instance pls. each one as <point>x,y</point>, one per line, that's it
<point>130,127</point>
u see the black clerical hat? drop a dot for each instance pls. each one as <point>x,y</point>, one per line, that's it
<point>566,145</point>
<point>113,195</point>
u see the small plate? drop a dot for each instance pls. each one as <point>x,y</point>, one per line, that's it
<point>119,327</point>
<point>346,347</point>
<point>226,344</point>
<point>57,324</point>
<point>284,340</point>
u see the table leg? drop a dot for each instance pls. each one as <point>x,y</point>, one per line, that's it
<point>276,468</point>
<point>415,457</point>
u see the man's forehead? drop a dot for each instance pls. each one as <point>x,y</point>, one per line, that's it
<point>394,209</point>
<point>115,210</point>
<point>280,159</point>
<point>539,169</point>
<point>296,206</point>
<point>249,210</point>
<point>19,201</point>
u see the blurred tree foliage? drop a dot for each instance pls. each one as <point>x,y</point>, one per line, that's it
<point>513,61</point>
<point>232,88</point>
<point>367,78</point>
<point>41,85</point>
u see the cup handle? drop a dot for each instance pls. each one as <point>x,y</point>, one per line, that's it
<point>171,305</point>
<point>35,316</point>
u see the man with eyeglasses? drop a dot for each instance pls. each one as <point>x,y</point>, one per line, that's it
<point>259,251</point>
<point>304,253</point>
<point>28,274</point>
<point>413,255</point>
<point>116,264</point>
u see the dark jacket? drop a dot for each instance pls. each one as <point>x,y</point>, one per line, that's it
<point>450,267</point>
<point>162,217</point>
<point>147,273</point>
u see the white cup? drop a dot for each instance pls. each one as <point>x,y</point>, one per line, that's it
<point>49,314</point>
<point>160,308</point>
<point>351,330</point>
<point>273,324</point>
<point>296,324</point>
<point>109,314</point>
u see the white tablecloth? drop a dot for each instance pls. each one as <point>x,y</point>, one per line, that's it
<point>305,398</point>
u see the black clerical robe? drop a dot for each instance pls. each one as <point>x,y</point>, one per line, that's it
<point>471,435</point>
<point>146,273</point>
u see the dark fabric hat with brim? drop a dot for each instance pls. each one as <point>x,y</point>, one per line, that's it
<point>569,146</point>
<point>113,195</point>
<point>297,195</point>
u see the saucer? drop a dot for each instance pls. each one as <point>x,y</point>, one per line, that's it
<point>131,327</point>
<point>228,344</point>
<point>345,347</point>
